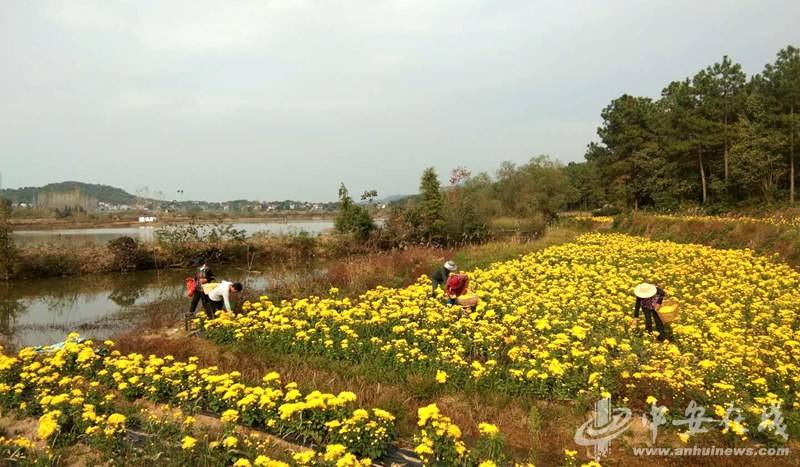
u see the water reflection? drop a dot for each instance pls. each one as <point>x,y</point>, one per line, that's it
<point>126,293</point>
<point>42,312</point>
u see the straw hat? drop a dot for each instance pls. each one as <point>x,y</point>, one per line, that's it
<point>450,266</point>
<point>645,290</point>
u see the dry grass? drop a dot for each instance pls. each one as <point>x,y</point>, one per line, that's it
<point>766,239</point>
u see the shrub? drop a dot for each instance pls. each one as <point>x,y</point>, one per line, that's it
<point>126,254</point>
<point>8,251</point>
<point>303,243</point>
<point>607,210</point>
<point>526,228</point>
<point>352,218</point>
<point>48,261</point>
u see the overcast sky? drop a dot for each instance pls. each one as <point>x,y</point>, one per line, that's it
<point>278,99</point>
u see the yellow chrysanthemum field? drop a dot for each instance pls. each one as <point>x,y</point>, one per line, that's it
<point>558,323</point>
<point>554,324</point>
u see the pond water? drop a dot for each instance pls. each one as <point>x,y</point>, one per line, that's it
<point>148,234</point>
<point>44,311</point>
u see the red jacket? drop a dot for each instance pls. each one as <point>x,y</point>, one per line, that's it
<point>457,284</point>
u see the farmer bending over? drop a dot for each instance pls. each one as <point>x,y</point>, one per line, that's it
<point>458,292</point>
<point>221,294</point>
<point>649,299</point>
<point>201,277</point>
<point>440,275</point>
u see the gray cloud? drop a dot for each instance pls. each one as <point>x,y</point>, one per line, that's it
<point>285,99</point>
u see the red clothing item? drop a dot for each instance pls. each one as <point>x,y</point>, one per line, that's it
<point>457,284</point>
<point>191,286</point>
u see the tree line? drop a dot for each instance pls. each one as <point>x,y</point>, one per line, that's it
<point>718,140</point>
<point>518,199</point>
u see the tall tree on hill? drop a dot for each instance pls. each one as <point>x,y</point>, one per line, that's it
<point>467,207</point>
<point>720,88</point>
<point>538,188</point>
<point>628,132</point>
<point>757,162</point>
<point>431,204</point>
<point>686,132</point>
<point>586,182</point>
<point>781,86</point>
<point>598,157</point>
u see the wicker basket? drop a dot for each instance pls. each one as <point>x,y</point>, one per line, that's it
<point>467,300</point>
<point>669,312</point>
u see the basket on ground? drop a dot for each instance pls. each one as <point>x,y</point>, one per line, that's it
<point>467,300</point>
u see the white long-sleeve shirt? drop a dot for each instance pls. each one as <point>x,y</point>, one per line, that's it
<point>222,292</point>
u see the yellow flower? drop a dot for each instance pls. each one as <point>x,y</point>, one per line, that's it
<point>426,413</point>
<point>116,419</point>
<point>230,416</point>
<point>48,424</point>
<point>333,452</point>
<point>487,429</point>
<point>270,377</point>
<point>188,443</point>
<point>453,431</point>
<point>230,442</point>
<point>264,461</point>
<point>423,449</point>
<point>441,377</point>
<point>303,457</point>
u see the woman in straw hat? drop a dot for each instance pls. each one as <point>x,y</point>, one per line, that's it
<point>648,299</point>
<point>439,276</point>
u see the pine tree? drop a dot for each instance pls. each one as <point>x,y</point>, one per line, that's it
<point>781,86</point>
<point>720,89</point>
<point>628,133</point>
<point>430,205</point>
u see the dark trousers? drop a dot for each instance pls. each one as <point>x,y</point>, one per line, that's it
<point>198,297</point>
<point>214,306</point>
<point>649,316</point>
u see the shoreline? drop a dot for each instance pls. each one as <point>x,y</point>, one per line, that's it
<point>27,225</point>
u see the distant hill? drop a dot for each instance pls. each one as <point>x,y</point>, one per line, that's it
<point>389,200</point>
<point>102,193</point>
<point>113,195</point>
<point>394,198</point>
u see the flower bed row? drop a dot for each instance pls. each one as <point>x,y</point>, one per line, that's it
<point>82,393</point>
<point>558,323</point>
<point>75,386</point>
